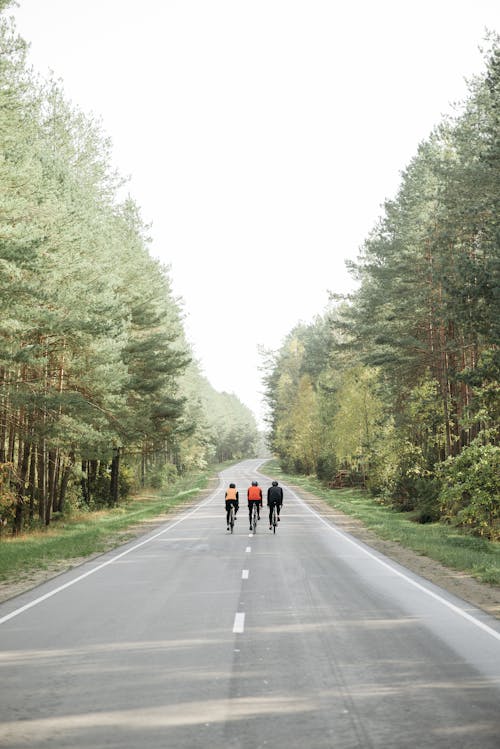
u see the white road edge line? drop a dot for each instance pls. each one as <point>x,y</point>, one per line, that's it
<point>54,592</point>
<point>415,584</point>
<point>239,624</point>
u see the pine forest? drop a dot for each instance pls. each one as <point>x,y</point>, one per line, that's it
<point>395,387</point>
<point>99,390</point>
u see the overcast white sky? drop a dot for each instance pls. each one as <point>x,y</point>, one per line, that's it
<point>261,138</point>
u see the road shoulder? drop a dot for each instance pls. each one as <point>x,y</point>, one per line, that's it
<point>29,579</point>
<point>481,595</point>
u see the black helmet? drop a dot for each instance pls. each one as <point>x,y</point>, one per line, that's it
<point>275,483</point>
<point>254,483</point>
<point>232,486</point>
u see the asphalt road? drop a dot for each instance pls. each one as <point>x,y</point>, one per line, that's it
<point>191,637</point>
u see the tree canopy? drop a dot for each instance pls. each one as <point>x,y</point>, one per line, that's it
<point>400,382</point>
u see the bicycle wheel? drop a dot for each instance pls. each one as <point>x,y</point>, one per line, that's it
<point>275,518</point>
<point>231,518</point>
<point>254,518</point>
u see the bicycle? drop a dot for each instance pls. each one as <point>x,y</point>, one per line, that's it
<point>255,517</point>
<point>231,518</point>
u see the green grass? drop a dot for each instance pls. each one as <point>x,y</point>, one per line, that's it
<point>455,549</point>
<point>89,533</point>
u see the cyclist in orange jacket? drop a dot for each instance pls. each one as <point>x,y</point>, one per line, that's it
<point>232,498</point>
<point>254,494</point>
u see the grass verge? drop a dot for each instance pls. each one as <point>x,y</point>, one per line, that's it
<point>85,533</point>
<point>455,549</point>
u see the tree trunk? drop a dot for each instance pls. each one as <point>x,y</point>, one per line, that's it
<point>143,468</point>
<point>3,418</point>
<point>51,470</point>
<point>31,480</point>
<point>42,482</point>
<point>12,443</point>
<point>84,484</point>
<point>65,479</point>
<point>21,481</point>
<point>55,485</point>
<point>92,476</point>
<point>115,470</point>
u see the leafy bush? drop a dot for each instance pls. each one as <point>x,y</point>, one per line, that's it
<point>426,499</point>
<point>126,481</point>
<point>326,466</point>
<point>101,487</point>
<point>400,477</point>
<point>470,494</point>
<point>162,476</point>
<point>396,474</point>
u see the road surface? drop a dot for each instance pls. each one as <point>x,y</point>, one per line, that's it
<point>191,637</point>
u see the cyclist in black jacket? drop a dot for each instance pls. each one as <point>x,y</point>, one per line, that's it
<point>274,497</point>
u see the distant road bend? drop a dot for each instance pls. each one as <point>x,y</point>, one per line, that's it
<point>191,637</point>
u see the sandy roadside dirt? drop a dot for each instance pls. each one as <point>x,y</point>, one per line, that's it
<point>485,597</point>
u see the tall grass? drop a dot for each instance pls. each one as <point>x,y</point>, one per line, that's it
<point>453,548</point>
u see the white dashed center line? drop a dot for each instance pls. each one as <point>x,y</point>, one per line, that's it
<point>239,623</point>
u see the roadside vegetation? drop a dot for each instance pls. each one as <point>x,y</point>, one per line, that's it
<point>396,387</point>
<point>100,393</point>
<point>81,534</point>
<point>450,546</point>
